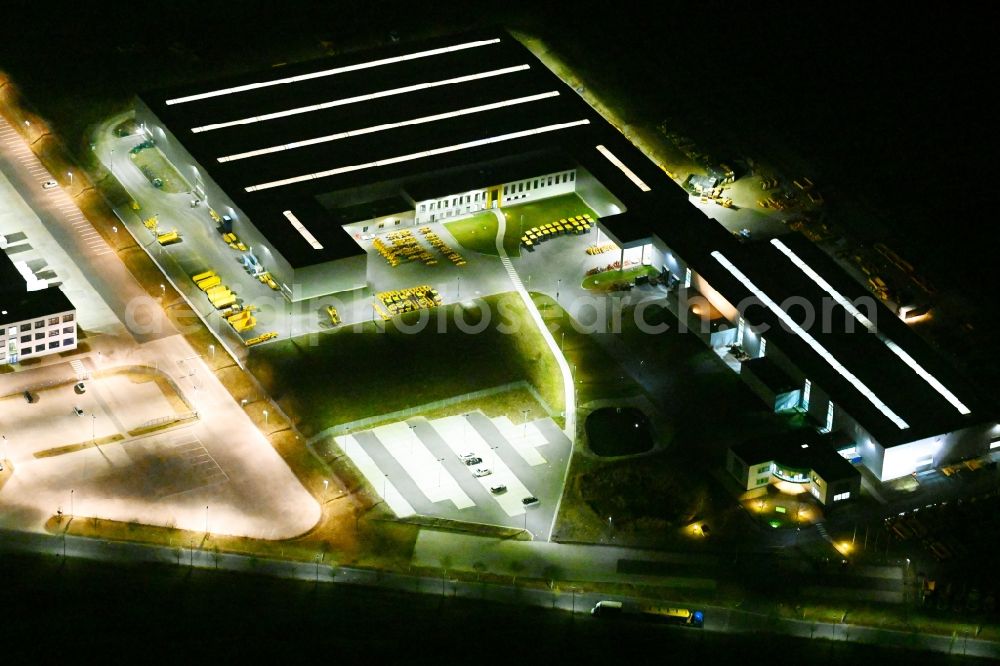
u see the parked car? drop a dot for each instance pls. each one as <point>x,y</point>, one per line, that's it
<point>78,411</point>
<point>466,456</point>
<point>80,388</point>
<point>30,398</point>
<point>481,471</point>
<point>472,461</point>
<point>49,184</point>
<point>498,490</point>
<point>529,501</point>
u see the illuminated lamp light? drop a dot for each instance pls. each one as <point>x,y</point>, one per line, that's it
<point>811,341</point>
<point>893,347</point>
<point>359,98</point>
<point>387,126</point>
<point>415,156</point>
<point>331,72</point>
<point>624,169</point>
<point>302,230</point>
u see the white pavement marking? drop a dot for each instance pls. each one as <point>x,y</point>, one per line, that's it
<point>524,439</point>
<point>567,376</point>
<point>374,476</point>
<point>431,477</point>
<point>463,438</point>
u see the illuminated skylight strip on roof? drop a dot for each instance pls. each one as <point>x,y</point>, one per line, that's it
<point>302,230</point>
<point>624,169</point>
<point>893,347</point>
<point>415,156</point>
<point>811,341</point>
<point>389,126</point>
<point>331,72</point>
<point>360,98</point>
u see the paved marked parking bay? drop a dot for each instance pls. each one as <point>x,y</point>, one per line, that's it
<point>430,476</point>
<point>523,438</point>
<point>462,438</point>
<point>374,476</point>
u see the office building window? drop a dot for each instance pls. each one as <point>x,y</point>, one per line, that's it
<point>68,342</point>
<point>54,332</point>
<point>67,330</point>
<point>40,323</point>
<point>54,344</point>
<point>53,321</point>
<point>550,180</point>
<point>468,199</point>
<point>520,187</point>
<point>25,327</point>
<point>572,175</point>
<point>536,183</point>
<point>423,209</point>
<point>505,189</point>
<point>67,318</point>
<point>25,338</point>
<point>841,496</point>
<point>39,348</point>
<point>26,351</point>
<point>39,336</point>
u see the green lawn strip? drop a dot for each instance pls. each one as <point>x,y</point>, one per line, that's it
<point>154,165</point>
<point>597,375</point>
<point>477,233</point>
<point>613,279</point>
<point>528,215</point>
<point>80,446</point>
<point>352,374</point>
<point>385,545</point>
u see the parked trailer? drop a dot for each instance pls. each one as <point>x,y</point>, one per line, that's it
<point>213,292</point>
<point>225,301</point>
<point>202,276</point>
<point>209,283</point>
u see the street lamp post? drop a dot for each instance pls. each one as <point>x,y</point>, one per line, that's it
<point>70,174</point>
<point>440,467</point>
<point>265,417</point>
<point>93,429</point>
<point>458,292</point>
<point>558,284</point>
<point>524,433</point>
<point>72,513</point>
<point>206,520</point>
<point>413,438</point>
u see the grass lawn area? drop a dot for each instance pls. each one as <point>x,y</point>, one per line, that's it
<point>153,164</point>
<point>477,233</point>
<point>608,280</point>
<point>597,375</point>
<point>355,373</point>
<point>527,215</point>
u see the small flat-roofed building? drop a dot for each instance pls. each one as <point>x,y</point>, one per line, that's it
<point>32,323</point>
<point>799,458</point>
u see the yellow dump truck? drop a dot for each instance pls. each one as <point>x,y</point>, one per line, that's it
<point>169,237</point>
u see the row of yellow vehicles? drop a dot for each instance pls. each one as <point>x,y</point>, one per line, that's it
<point>579,224</point>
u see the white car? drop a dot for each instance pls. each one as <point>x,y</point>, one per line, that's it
<point>49,184</point>
<point>481,471</point>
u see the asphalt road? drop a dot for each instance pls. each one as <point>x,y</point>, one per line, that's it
<point>433,612</point>
<point>61,217</point>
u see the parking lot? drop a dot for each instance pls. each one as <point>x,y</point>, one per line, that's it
<point>430,468</point>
